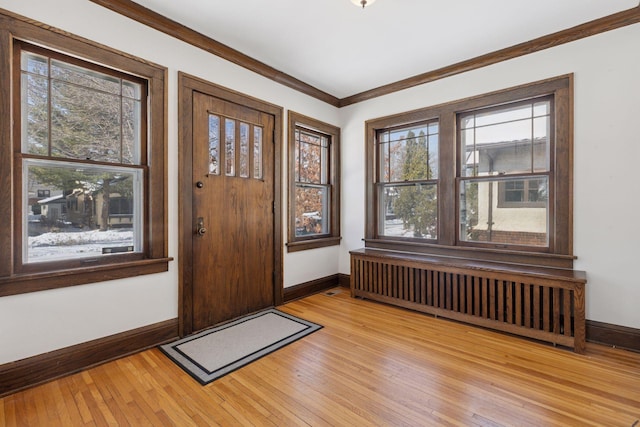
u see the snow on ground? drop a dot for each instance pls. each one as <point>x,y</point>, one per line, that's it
<point>75,244</point>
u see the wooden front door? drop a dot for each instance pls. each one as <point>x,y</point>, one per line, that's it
<point>232,210</point>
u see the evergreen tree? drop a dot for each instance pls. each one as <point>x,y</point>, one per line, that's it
<point>416,204</point>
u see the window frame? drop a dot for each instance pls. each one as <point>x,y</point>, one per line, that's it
<point>17,278</point>
<point>559,253</point>
<point>332,133</point>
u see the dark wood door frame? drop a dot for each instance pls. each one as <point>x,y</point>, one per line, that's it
<point>187,85</point>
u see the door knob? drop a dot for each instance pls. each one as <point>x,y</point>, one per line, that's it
<point>200,228</point>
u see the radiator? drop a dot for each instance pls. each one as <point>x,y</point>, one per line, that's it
<point>547,307</point>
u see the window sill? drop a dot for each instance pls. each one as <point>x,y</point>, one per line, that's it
<point>313,244</point>
<point>24,283</point>
<point>477,253</point>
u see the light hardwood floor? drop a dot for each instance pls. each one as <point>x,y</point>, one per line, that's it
<point>371,364</point>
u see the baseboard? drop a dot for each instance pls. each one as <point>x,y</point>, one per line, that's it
<point>312,287</point>
<point>613,335</point>
<point>345,280</point>
<point>21,374</point>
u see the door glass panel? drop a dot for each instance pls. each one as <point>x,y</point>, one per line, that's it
<point>257,152</point>
<point>244,150</point>
<point>230,147</point>
<point>214,145</point>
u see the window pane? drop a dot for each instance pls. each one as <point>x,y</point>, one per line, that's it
<point>244,150</point>
<point>131,90</point>
<point>214,144</point>
<point>311,210</point>
<point>506,140</point>
<point>78,211</point>
<point>85,124</point>
<point>541,131</point>
<point>84,77</point>
<point>35,64</point>
<point>309,161</point>
<point>410,159</point>
<point>521,219</point>
<point>257,152</point>
<point>230,146</point>
<point>35,115</point>
<point>409,211</point>
<point>130,131</point>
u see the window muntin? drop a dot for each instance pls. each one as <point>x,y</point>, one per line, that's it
<point>408,181</point>
<point>314,183</point>
<point>510,140</point>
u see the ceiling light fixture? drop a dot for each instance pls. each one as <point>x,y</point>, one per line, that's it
<point>363,3</point>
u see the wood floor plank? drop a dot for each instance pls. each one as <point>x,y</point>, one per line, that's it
<point>371,364</point>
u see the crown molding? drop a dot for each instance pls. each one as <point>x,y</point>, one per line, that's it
<point>172,28</point>
<point>601,25</point>
<point>163,24</point>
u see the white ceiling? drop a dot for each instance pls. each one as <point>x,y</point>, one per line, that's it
<point>344,50</point>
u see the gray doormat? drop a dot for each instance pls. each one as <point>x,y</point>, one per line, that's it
<point>215,352</point>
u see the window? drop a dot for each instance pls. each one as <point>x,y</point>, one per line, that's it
<point>408,181</point>
<point>89,172</point>
<point>314,194</point>
<point>505,172</point>
<point>489,174</point>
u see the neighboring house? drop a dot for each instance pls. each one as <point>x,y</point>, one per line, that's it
<point>504,209</point>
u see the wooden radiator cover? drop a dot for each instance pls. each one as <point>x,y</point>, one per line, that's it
<point>547,304</point>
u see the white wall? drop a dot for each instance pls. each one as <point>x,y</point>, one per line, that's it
<point>607,156</point>
<point>39,322</point>
<point>607,100</point>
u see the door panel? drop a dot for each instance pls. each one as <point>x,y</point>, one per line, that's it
<point>233,196</point>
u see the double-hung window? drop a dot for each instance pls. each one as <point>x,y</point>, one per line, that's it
<point>505,173</point>
<point>489,176</point>
<point>314,192</point>
<point>87,179</point>
<point>82,133</point>
<point>407,185</point>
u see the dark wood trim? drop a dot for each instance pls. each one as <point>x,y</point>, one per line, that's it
<point>309,288</point>
<point>24,283</point>
<point>187,85</point>
<point>345,280</point>
<point>165,25</point>
<point>21,374</point>
<point>6,153</point>
<point>154,20</point>
<point>312,243</point>
<point>597,26</point>
<point>613,335</point>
